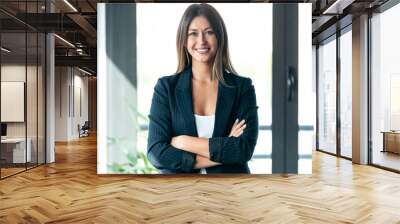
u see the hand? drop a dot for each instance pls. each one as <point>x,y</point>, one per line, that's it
<point>178,141</point>
<point>203,162</point>
<point>237,129</point>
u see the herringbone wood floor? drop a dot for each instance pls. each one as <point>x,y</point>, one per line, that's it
<point>70,191</point>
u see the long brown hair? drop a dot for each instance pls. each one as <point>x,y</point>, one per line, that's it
<point>222,60</point>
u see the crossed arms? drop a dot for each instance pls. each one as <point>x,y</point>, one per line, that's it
<point>183,153</point>
<point>200,146</point>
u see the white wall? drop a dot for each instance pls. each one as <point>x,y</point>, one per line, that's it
<point>80,105</point>
<point>12,99</point>
<point>33,126</point>
<point>61,103</point>
<point>12,73</point>
<point>71,93</point>
<point>17,72</point>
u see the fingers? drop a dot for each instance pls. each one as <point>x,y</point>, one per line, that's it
<point>239,131</point>
<point>241,123</point>
<point>236,121</point>
<point>238,128</point>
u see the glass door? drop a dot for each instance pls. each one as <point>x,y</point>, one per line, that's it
<point>327,95</point>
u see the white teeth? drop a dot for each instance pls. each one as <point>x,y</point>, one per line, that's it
<point>202,50</point>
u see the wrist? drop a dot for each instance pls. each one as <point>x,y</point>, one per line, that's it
<point>183,139</point>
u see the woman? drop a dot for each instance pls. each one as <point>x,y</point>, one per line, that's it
<point>204,117</point>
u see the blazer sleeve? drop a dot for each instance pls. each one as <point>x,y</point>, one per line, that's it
<point>239,150</point>
<point>159,150</point>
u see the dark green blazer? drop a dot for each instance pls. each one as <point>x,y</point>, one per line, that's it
<point>171,114</point>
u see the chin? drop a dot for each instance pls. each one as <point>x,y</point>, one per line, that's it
<point>203,60</point>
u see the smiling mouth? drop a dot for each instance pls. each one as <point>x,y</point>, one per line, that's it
<point>203,50</point>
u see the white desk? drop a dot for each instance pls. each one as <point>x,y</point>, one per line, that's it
<point>18,149</point>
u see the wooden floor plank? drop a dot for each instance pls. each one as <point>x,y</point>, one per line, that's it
<point>70,191</point>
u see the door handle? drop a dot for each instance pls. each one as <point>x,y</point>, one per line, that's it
<point>291,83</point>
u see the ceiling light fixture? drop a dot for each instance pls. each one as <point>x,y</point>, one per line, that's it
<point>84,71</point>
<point>70,5</point>
<point>5,50</point>
<point>337,7</point>
<point>64,40</point>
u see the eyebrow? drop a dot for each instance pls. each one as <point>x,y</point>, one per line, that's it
<point>196,29</point>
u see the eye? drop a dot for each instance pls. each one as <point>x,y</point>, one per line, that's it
<point>193,34</point>
<point>210,32</point>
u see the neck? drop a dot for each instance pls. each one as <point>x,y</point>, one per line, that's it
<point>202,71</point>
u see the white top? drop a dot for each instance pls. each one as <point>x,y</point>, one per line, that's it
<point>205,128</point>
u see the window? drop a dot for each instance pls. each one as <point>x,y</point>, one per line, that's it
<point>346,94</point>
<point>306,92</point>
<point>22,77</point>
<point>327,96</point>
<point>385,85</point>
<point>251,54</point>
<point>252,59</point>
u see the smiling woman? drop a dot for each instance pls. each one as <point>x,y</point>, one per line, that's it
<point>204,117</point>
<point>201,41</point>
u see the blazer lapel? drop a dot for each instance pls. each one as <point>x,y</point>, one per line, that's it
<point>225,100</point>
<point>183,93</point>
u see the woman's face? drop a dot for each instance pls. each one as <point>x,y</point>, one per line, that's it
<point>202,42</point>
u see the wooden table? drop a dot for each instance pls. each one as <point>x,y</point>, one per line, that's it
<point>391,141</point>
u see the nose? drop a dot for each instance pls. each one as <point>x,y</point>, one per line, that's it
<point>202,37</point>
